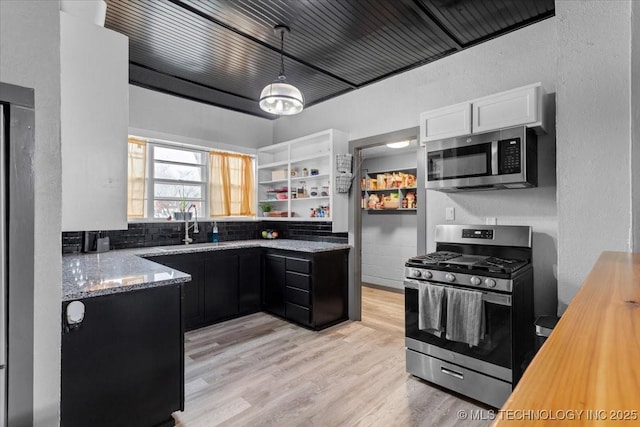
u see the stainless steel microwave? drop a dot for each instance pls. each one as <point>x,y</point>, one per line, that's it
<point>507,158</point>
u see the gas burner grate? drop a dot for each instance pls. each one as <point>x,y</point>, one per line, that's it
<point>435,257</point>
<point>501,265</point>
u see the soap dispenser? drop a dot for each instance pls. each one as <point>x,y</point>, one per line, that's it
<point>214,234</point>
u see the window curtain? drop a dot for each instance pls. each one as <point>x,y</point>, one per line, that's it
<point>136,180</point>
<point>231,188</point>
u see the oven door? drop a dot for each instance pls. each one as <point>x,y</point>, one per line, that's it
<point>492,356</point>
<point>457,165</point>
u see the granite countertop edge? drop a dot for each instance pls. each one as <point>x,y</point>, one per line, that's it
<point>125,270</point>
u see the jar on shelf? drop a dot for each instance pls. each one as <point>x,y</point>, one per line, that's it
<point>324,192</point>
<point>305,172</point>
<point>302,190</point>
<point>313,192</point>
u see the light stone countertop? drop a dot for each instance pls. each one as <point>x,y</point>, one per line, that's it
<point>92,275</point>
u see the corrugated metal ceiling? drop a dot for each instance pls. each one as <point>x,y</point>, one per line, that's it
<point>223,52</point>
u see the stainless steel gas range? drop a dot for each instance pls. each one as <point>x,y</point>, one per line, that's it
<point>469,310</point>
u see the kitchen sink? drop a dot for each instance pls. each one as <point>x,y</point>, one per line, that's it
<point>194,246</point>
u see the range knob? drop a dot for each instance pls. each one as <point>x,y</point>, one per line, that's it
<point>450,277</point>
<point>490,283</point>
<point>414,272</point>
<point>427,274</point>
<point>475,281</point>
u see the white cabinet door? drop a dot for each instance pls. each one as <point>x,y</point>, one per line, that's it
<point>94,87</point>
<point>522,106</point>
<point>447,122</point>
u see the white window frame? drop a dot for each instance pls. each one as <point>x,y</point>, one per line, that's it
<point>151,179</point>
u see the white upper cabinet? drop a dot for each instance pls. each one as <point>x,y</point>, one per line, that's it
<point>298,179</point>
<point>94,86</point>
<point>521,106</point>
<point>447,122</point>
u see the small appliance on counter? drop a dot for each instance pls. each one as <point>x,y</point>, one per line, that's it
<point>92,242</point>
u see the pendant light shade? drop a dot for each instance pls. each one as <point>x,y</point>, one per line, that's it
<point>280,97</point>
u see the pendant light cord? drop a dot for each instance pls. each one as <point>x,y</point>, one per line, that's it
<point>281,52</point>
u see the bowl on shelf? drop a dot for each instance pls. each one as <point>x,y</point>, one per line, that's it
<point>282,196</point>
<point>269,234</point>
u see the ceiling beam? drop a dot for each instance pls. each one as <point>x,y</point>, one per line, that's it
<point>444,31</point>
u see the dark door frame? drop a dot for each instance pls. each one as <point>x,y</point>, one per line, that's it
<point>355,214</point>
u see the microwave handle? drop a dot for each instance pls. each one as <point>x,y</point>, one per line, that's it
<point>494,157</point>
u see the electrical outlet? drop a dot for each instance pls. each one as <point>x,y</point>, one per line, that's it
<point>450,214</point>
<point>491,220</point>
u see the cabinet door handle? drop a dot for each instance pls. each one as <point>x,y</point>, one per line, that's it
<point>455,374</point>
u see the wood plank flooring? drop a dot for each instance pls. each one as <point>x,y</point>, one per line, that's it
<point>260,370</point>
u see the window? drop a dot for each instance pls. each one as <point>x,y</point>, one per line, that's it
<point>179,177</point>
<point>177,180</point>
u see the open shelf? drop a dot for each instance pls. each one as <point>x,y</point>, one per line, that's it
<point>391,188</point>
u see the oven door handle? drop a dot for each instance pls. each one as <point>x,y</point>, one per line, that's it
<point>490,297</point>
<point>450,372</point>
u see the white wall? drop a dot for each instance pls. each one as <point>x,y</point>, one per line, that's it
<point>635,120</point>
<point>594,135</point>
<point>388,239</point>
<point>30,46</point>
<point>157,115</point>
<point>516,59</point>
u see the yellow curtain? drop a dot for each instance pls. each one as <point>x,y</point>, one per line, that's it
<point>136,181</point>
<point>231,190</point>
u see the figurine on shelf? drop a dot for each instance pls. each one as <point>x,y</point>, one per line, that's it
<point>411,200</point>
<point>374,201</point>
<point>405,203</point>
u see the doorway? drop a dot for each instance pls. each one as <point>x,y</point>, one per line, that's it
<point>381,208</point>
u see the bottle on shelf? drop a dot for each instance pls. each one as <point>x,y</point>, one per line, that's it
<point>214,234</point>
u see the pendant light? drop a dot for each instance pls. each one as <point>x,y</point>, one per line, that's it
<point>280,97</point>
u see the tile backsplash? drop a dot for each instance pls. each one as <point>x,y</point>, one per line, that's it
<point>171,233</point>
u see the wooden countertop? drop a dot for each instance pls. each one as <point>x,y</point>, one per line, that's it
<point>591,361</point>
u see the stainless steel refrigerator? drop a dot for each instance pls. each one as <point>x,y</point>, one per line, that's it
<point>17,150</point>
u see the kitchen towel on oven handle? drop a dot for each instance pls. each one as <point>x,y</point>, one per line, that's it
<point>431,308</point>
<point>465,316</point>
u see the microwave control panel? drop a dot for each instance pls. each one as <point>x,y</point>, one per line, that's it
<point>509,155</point>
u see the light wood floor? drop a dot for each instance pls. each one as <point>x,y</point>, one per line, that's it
<point>261,370</point>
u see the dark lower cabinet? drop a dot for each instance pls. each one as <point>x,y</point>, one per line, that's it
<point>220,286</point>
<point>123,365</point>
<point>307,288</point>
<point>225,284</point>
<point>193,306</point>
<point>274,283</point>
<point>249,281</point>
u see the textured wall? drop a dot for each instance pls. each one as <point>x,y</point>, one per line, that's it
<point>593,133</point>
<point>635,117</point>
<point>516,59</point>
<point>30,46</point>
<point>181,120</point>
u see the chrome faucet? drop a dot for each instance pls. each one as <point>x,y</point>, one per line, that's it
<point>188,239</point>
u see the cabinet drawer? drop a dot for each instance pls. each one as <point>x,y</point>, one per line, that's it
<point>297,280</point>
<point>298,314</point>
<point>298,265</point>
<point>298,296</point>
